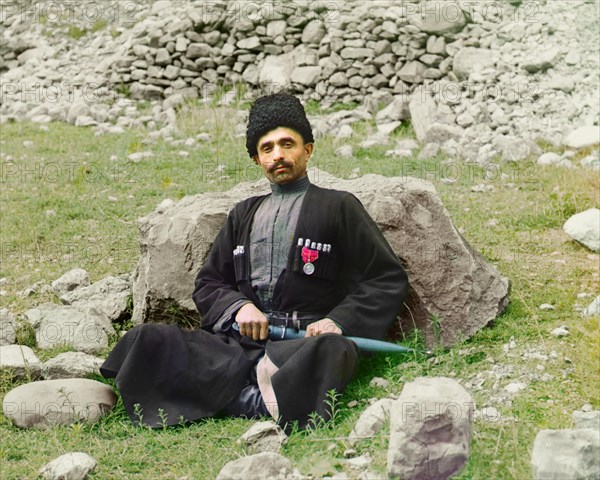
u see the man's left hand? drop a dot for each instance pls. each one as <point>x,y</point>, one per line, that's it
<point>322,326</point>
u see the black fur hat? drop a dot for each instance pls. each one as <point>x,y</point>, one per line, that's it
<point>273,111</point>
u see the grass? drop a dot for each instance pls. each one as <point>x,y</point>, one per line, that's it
<point>71,199</point>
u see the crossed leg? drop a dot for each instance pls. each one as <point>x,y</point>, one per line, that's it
<point>264,371</point>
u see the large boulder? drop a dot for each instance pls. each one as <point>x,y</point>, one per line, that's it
<point>454,291</point>
<point>430,430</point>
<point>58,402</point>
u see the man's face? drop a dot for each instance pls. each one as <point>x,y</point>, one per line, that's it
<point>283,155</point>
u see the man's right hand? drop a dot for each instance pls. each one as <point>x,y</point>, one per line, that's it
<point>252,322</point>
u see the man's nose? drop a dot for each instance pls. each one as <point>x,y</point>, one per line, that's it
<point>277,152</point>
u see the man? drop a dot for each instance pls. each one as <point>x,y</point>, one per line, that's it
<point>303,256</point>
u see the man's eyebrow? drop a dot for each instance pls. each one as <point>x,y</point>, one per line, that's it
<point>281,140</point>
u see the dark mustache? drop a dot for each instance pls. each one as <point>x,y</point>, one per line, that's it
<point>280,164</point>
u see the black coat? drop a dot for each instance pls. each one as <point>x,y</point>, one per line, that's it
<point>166,374</point>
<point>360,284</point>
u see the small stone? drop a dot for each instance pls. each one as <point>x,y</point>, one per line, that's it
<point>583,137</point>
<point>70,466</point>
<point>71,365</point>
<point>593,309</point>
<point>587,408</point>
<point>379,382</point>
<point>515,387</point>
<point>7,327</point>
<point>345,131</point>
<point>584,227</point>
<point>264,437</point>
<point>345,151</point>
<point>549,158</point>
<point>137,156</point>
<point>20,360</point>
<point>546,306</point>
<point>589,419</point>
<point>264,466</point>
<point>352,404</point>
<point>560,332</point>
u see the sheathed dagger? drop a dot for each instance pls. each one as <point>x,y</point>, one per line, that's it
<point>364,344</point>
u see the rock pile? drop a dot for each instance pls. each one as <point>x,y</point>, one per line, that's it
<point>481,76</point>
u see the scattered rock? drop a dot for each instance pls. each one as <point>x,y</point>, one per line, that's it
<point>266,466</point>
<point>84,328</point>
<point>583,419</point>
<point>379,382</point>
<point>566,455</point>
<point>345,151</point>
<point>430,431</point>
<point>593,308</point>
<point>20,360</point>
<point>583,137</point>
<point>47,403</point>
<point>109,296</point>
<point>560,332</point>
<point>584,227</point>
<point>371,421</point>
<point>137,156</point>
<point>7,327</point>
<point>468,60</point>
<point>515,387</point>
<point>70,466</point>
<point>546,306</point>
<point>71,365</point>
<point>264,437</point>
<point>549,158</point>
<point>71,280</point>
<point>542,61</point>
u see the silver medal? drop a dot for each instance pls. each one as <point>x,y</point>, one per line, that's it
<point>308,268</point>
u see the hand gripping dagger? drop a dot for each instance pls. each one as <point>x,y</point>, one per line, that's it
<point>364,344</point>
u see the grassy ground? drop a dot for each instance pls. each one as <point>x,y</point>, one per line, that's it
<point>71,199</point>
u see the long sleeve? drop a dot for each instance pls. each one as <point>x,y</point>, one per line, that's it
<point>216,288</point>
<point>378,285</point>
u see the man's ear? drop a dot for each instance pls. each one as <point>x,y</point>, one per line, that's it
<point>255,158</point>
<point>309,149</point>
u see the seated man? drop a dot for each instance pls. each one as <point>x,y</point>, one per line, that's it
<point>303,256</point>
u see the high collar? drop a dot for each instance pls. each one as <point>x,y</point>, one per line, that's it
<point>299,185</point>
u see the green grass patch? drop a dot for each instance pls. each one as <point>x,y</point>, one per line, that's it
<point>72,199</point>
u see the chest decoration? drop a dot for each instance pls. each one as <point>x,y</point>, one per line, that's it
<point>310,253</point>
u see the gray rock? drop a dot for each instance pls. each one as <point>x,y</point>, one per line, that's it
<point>583,419</point>
<point>78,109</point>
<point>71,365</point>
<point>250,43</point>
<point>469,293</point>
<point>592,161</point>
<point>109,295</point>
<point>7,327</point>
<point>566,455</point>
<point>313,32</point>
<point>83,328</point>
<point>542,61</point>
<point>584,227</point>
<point>20,360</point>
<point>338,79</point>
<point>307,76</point>
<point>275,72</point>
<point>354,53</point>
<point>412,72</point>
<point>437,17</point>
<point>583,137</point>
<point>430,429</point>
<point>345,151</point>
<point>58,402</point>
<point>593,308</point>
<point>371,421</point>
<point>514,149</point>
<point>163,57</point>
<point>264,437</point>
<point>549,158</point>
<point>559,82</point>
<point>71,280</point>
<point>266,466</point>
<point>468,60</point>
<point>70,466</point>
<point>197,50</point>
<point>430,150</point>
<point>397,110</point>
<point>275,28</point>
